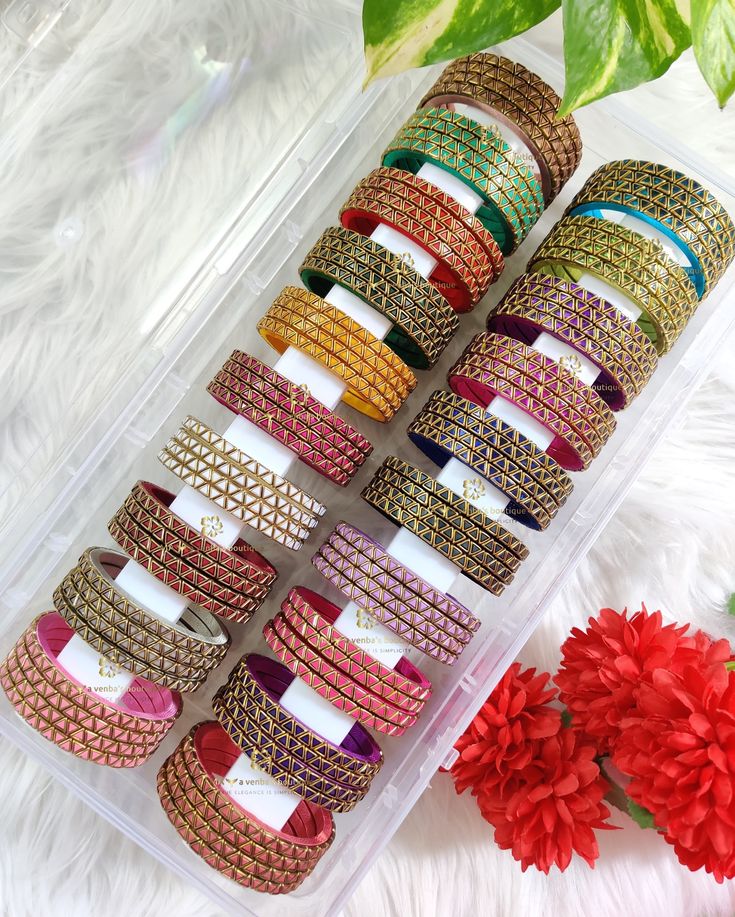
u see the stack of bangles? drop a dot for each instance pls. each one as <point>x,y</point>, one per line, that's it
<point>422,237</point>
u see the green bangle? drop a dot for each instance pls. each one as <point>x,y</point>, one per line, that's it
<point>423,321</point>
<point>479,157</point>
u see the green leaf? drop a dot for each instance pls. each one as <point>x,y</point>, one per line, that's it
<point>641,816</point>
<point>731,604</point>
<point>400,34</point>
<point>713,37</point>
<point>610,45</point>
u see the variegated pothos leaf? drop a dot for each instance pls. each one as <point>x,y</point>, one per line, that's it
<point>713,37</point>
<point>610,45</point>
<point>400,34</point>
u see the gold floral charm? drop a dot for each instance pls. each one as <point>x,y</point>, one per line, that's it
<point>572,364</point>
<point>108,669</point>
<point>365,620</point>
<point>211,526</point>
<point>407,259</point>
<point>473,489</point>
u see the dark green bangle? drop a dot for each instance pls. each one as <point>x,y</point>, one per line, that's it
<point>479,157</point>
<point>423,321</point>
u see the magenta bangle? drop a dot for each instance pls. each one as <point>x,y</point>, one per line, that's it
<point>318,436</point>
<point>396,597</point>
<point>120,733</point>
<point>580,421</point>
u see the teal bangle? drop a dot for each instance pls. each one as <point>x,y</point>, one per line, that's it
<point>478,156</point>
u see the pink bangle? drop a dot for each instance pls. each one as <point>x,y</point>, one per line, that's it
<point>222,832</point>
<point>289,414</point>
<point>395,596</point>
<point>121,733</point>
<point>581,422</point>
<point>312,616</point>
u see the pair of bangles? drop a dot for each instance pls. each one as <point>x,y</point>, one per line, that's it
<point>574,339</point>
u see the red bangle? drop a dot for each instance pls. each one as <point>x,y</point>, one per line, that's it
<point>289,414</point>
<point>579,419</point>
<point>122,733</point>
<point>224,834</point>
<point>231,583</point>
<point>469,258</point>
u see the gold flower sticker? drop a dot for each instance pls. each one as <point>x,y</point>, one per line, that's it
<point>108,669</point>
<point>571,363</point>
<point>211,526</point>
<point>473,489</point>
<point>365,620</point>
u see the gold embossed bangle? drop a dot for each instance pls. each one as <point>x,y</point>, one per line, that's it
<point>484,550</point>
<point>223,833</point>
<point>519,99</point>
<point>377,381</point>
<point>468,257</point>
<point>634,265</point>
<point>423,321</point>
<point>481,159</point>
<point>674,204</point>
<point>178,656</point>
<point>240,485</point>
<point>623,354</point>
<point>452,427</point>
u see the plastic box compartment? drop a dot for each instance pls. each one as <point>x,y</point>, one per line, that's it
<point>238,253</point>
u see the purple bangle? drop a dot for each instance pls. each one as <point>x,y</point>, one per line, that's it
<point>288,413</point>
<point>619,349</point>
<point>334,776</point>
<point>396,597</point>
<point>574,414</point>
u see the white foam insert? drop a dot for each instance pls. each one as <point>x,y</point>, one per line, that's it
<point>411,252</point>
<point>199,512</point>
<point>104,678</point>
<point>452,186</point>
<point>474,488</point>
<point>308,706</point>
<point>512,137</point>
<point>259,794</point>
<point>260,445</point>
<point>370,635</point>
<point>360,311</point>
<point>303,370</point>
<point>148,591</point>
<point>567,356</point>
<point>409,550</point>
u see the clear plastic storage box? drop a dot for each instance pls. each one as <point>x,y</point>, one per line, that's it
<point>163,169</point>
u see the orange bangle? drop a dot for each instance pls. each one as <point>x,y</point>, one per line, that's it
<point>378,382</point>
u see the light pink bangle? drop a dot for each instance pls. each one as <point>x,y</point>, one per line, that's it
<point>122,733</point>
<point>574,413</point>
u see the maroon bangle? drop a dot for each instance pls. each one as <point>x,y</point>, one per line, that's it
<point>231,583</point>
<point>579,419</point>
<point>396,597</point>
<point>222,832</point>
<point>469,259</point>
<point>289,414</point>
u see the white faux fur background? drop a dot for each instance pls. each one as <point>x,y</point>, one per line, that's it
<point>671,544</point>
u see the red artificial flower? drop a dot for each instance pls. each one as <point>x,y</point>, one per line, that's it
<point>504,736</point>
<point>603,666</point>
<point>555,806</point>
<point>678,746</point>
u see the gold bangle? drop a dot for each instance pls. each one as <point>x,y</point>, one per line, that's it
<point>240,485</point>
<point>178,656</point>
<point>678,205</point>
<point>519,99</point>
<point>377,381</point>
<point>484,550</point>
<point>636,266</point>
